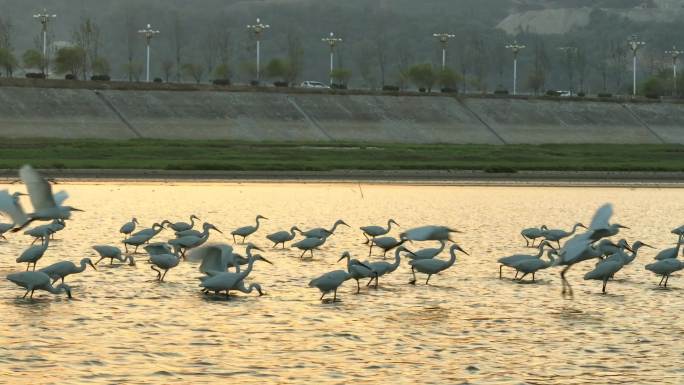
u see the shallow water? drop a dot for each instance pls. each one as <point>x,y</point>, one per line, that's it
<point>466,327</point>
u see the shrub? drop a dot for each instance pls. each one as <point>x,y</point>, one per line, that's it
<point>101,78</point>
<point>70,77</point>
<point>605,95</point>
<point>221,82</point>
<point>281,84</point>
<point>36,75</point>
<point>447,90</point>
<point>581,94</point>
<point>158,80</point>
<point>254,83</point>
<point>390,88</point>
<point>500,92</point>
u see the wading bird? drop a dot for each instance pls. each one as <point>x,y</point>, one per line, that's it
<point>381,268</point>
<point>429,233</point>
<point>283,236</point>
<point>309,244</point>
<point>112,252</point>
<point>320,232</point>
<point>186,243</point>
<point>376,231</point>
<point>533,265</point>
<point>33,254</point>
<point>672,252</point>
<point>59,270</point>
<point>532,233</point>
<point>36,280</point>
<point>246,231</point>
<point>330,281</point>
<point>182,226</point>
<point>193,232</point>
<point>665,268</point>
<point>231,281</point>
<point>149,232</point>
<point>433,266</point>
<point>426,253</point>
<point>386,244</point>
<point>512,260</point>
<point>128,227</point>
<point>165,262</point>
<point>214,258</point>
<point>357,269</point>
<point>555,235</point>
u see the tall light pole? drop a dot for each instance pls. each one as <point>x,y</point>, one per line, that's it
<point>569,51</point>
<point>515,47</point>
<point>44,19</point>
<point>332,41</point>
<point>444,40</point>
<point>148,33</point>
<point>634,45</point>
<point>258,29</point>
<point>675,54</point>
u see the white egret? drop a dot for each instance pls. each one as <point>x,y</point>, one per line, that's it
<point>330,281</point>
<point>665,268</point>
<point>246,231</point>
<point>36,280</point>
<point>128,227</point>
<point>533,265</point>
<point>429,233</point>
<point>376,231</point>
<point>357,269</point>
<point>283,236</point>
<point>56,226</point>
<point>386,244</point>
<point>215,258</point>
<point>230,281</point>
<point>33,254</point>
<point>186,243</point>
<point>59,270</point>
<point>608,248</point>
<point>152,231</point>
<point>112,252</point>
<point>606,269</point>
<point>309,244</point>
<point>182,226</point>
<point>11,206</point>
<point>320,232</point>
<point>238,259</point>
<point>142,237</point>
<point>679,231</point>
<point>669,253</point>
<point>555,235</point>
<point>426,253</point>
<point>46,206</point>
<point>158,248</point>
<point>193,232</point>
<point>511,260</point>
<point>39,232</point>
<point>165,262</point>
<point>434,266</point>
<point>381,268</point>
<point>5,227</point>
<point>532,233</point>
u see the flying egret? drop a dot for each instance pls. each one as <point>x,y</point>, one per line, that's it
<point>665,268</point>
<point>434,266</point>
<point>320,232</point>
<point>669,253</point>
<point>357,269</point>
<point>555,235</point>
<point>330,281</point>
<point>186,243</point>
<point>36,280</point>
<point>533,265</point>
<point>283,236</point>
<point>193,232</point>
<point>112,252</point>
<point>579,248</point>
<point>532,233</point>
<point>512,260</point>
<point>46,206</point>
<point>386,244</point>
<point>246,231</point>
<point>11,206</point>
<point>165,262</point>
<point>429,233</point>
<point>182,226</point>
<point>33,254</point>
<point>230,281</point>
<point>376,231</point>
<point>426,253</point>
<point>128,227</point>
<point>309,244</point>
<point>381,268</point>
<point>59,270</point>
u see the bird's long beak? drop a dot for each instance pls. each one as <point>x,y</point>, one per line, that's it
<point>622,227</point>
<point>647,245</point>
<point>409,251</point>
<point>629,248</point>
<point>463,251</point>
<point>341,258</point>
<point>91,265</point>
<point>75,209</point>
<point>222,232</point>
<point>266,260</point>
<point>366,266</point>
<point>258,248</point>
<point>455,231</point>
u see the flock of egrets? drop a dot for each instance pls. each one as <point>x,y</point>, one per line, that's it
<point>223,267</point>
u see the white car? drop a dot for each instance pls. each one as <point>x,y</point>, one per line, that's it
<point>313,84</point>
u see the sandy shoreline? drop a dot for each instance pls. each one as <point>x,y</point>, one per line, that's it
<point>431,177</point>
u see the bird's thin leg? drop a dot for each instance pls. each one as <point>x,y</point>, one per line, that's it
<point>558,242</point>
<point>523,276</point>
<point>428,279</point>
<point>283,245</point>
<point>384,255</point>
<point>367,240</point>
<point>164,276</point>
<point>661,280</point>
<point>358,287</point>
<point>28,265</point>
<point>532,277</point>
<point>371,280</point>
<point>55,280</point>
<point>413,272</point>
<point>3,237</point>
<point>566,285</point>
<point>370,250</point>
<point>158,272</point>
<point>98,261</point>
<point>376,281</point>
<point>62,279</point>
<point>31,296</point>
<point>311,253</point>
<point>136,249</point>
<point>302,256</point>
<point>34,241</point>
<point>243,239</point>
<point>605,281</point>
<point>25,294</point>
<point>321,299</point>
<point>667,279</point>
<point>500,271</point>
<point>335,295</point>
<point>527,241</point>
<point>274,245</point>
<point>34,269</point>
<point>126,246</point>
<point>516,274</point>
<point>111,261</point>
<point>234,238</point>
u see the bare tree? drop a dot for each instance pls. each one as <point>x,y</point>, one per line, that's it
<point>365,60</point>
<point>295,56</point>
<point>6,29</point>
<point>167,69</point>
<point>87,37</point>
<point>178,39</point>
<point>132,38</point>
<point>618,62</point>
<point>582,68</point>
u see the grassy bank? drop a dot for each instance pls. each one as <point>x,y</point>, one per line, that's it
<point>224,155</point>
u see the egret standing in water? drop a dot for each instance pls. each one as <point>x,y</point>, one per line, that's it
<point>182,226</point>
<point>512,260</point>
<point>376,231</point>
<point>36,280</point>
<point>330,281</point>
<point>554,235</point>
<point>186,243</point>
<point>665,268</point>
<point>246,231</point>
<point>283,236</point>
<point>426,253</point>
<point>381,268</point>
<point>533,265</point>
<point>128,227</point>
<point>532,233</point>
<point>59,270</point>
<point>356,269</point>
<point>309,244</point>
<point>231,281</point>
<point>386,244</point>
<point>112,252</point>
<point>33,254</point>
<point>433,266</point>
<point>320,232</point>
<point>672,252</point>
<point>165,262</point>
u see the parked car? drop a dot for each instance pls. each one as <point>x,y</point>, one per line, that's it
<point>312,84</point>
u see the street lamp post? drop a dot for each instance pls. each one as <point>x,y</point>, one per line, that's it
<point>515,47</point>
<point>444,39</point>
<point>258,29</point>
<point>148,33</point>
<point>569,51</point>
<point>44,18</point>
<point>332,41</point>
<point>634,45</point>
<point>675,54</point>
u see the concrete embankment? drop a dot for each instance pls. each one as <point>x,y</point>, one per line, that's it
<point>321,117</point>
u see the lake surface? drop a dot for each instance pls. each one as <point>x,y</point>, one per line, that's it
<point>466,327</point>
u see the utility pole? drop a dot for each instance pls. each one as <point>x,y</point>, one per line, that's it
<point>258,29</point>
<point>332,41</point>
<point>148,33</point>
<point>444,40</point>
<point>634,45</point>
<point>674,52</point>
<point>44,19</point>
<point>515,47</point>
